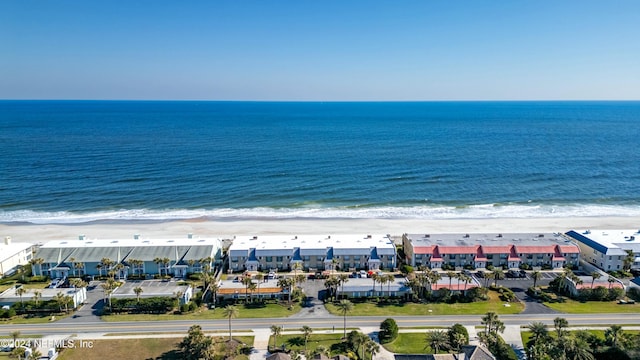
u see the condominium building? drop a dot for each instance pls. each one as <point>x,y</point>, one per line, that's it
<point>135,256</point>
<point>609,249</point>
<point>321,252</point>
<point>481,250</point>
<point>13,255</point>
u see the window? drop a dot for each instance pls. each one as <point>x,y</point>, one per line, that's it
<point>463,256</point>
<point>306,258</point>
<point>269,258</point>
<point>319,258</point>
<point>234,258</point>
<point>279,258</point>
<point>356,257</point>
<point>489,256</point>
<point>346,258</point>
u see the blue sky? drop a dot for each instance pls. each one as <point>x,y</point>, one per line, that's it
<point>320,50</point>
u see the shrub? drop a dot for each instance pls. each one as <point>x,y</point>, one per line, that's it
<point>634,293</point>
<point>388,331</point>
<point>458,336</point>
<point>406,269</point>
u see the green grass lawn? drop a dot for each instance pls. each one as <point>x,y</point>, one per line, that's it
<point>592,307</point>
<point>20,319</point>
<point>266,311</point>
<point>296,341</point>
<point>477,308</point>
<point>410,343</point>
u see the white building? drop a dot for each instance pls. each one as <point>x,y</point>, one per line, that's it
<point>77,295</point>
<point>13,255</point>
<point>607,249</point>
<point>321,252</point>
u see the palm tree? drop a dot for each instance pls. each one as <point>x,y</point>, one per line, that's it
<point>138,290</point>
<point>613,334</point>
<point>611,280</point>
<point>21,291</point>
<point>466,279</point>
<point>390,279</point>
<point>345,306</point>
<point>275,331</point>
<point>15,335</point>
<point>321,350</point>
<point>450,275</point>
<point>497,274</point>
<point>375,277</point>
<point>577,349</point>
<point>246,281</point>
<point>434,277</point>
<point>78,266</point>
<point>342,279</point>
<point>372,347</point>
<point>166,261</point>
<point>158,261</point>
<point>72,260</point>
<point>99,268</point>
<point>437,340</point>
<point>252,288</point>
<point>230,312</point>
<point>259,279</point>
<point>330,284</point>
<point>37,295</point>
<point>560,324</point>
<point>306,332</point>
<point>539,331</point>
<point>382,279</point>
<point>492,326</point>
<point>536,275</point>
<point>36,261</point>
<point>595,276</point>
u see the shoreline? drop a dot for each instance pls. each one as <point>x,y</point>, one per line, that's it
<point>227,228</point>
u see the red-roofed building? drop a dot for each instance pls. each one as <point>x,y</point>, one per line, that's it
<point>480,250</point>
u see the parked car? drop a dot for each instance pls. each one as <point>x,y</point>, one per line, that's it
<point>516,274</point>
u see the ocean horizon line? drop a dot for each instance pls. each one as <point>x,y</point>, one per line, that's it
<point>338,101</point>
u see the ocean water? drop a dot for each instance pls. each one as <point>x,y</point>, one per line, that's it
<point>80,161</point>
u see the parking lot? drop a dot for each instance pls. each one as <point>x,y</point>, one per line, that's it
<point>149,288</point>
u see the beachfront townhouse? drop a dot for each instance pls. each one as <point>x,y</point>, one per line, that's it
<point>312,252</point>
<point>127,257</point>
<point>435,251</point>
<point>609,250</point>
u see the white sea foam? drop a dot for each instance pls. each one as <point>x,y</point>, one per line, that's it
<point>488,211</point>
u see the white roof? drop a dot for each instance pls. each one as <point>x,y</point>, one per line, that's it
<point>140,242</point>
<point>8,251</point>
<point>612,239</point>
<point>340,241</point>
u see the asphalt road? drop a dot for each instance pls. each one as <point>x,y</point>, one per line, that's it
<point>325,322</point>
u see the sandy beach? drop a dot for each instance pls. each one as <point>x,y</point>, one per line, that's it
<point>228,228</point>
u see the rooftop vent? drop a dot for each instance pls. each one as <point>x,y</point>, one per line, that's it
<point>427,235</point>
<point>368,236</point>
<point>466,235</point>
<point>541,235</point>
<point>254,238</point>
<point>114,241</point>
<point>295,237</point>
<point>136,236</point>
<point>81,237</point>
<point>64,242</point>
<point>499,235</point>
<point>7,240</point>
<point>170,241</point>
<point>189,236</point>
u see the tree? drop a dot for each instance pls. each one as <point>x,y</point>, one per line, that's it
<point>613,334</point>
<point>252,287</point>
<point>21,291</point>
<point>138,290</point>
<point>275,331</point>
<point>343,279</point>
<point>492,326</point>
<point>330,284</point>
<point>611,280</point>
<point>196,345</point>
<point>371,347</point>
<point>357,341</point>
<point>388,331</point>
<point>539,332</point>
<point>497,274</point>
<point>595,276</point>
<point>165,262</point>
<point>15,335</point>
<point>37,295</point>
<point>259,280</point>
<point>36,261</point>
<point>246,280</point>
<point>450,275</point>
<point>345,306</point>
<point>536,276</point>
<point>230,312</point>
<point>18,352</point>
<point>286,283</point>
<point>437,340</point>
<point>577,349</point>
<point>158,261</point>
<point>560,324</point>
<point>458,337</point>
<point>628,260</point>
<point>306,332</point>
<point>390,279</point>
<point>99,268</point>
